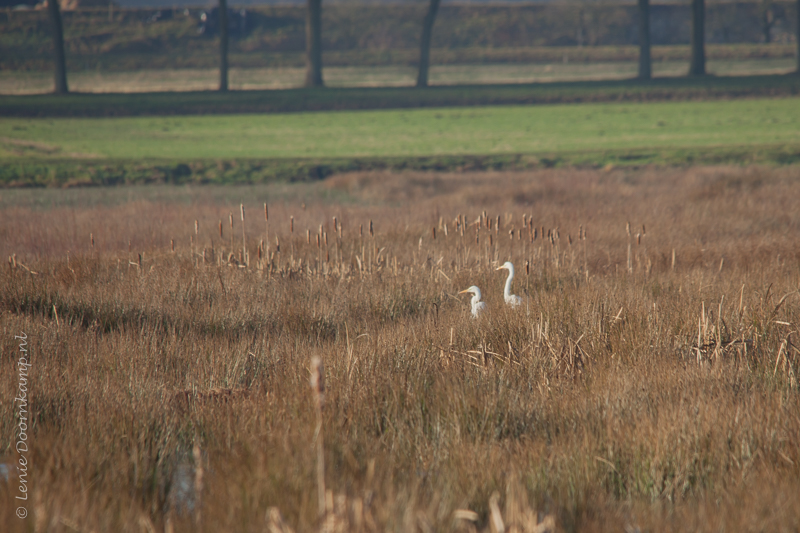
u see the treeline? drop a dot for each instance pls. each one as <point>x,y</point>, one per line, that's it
<point>378,31</point>
<point>181,33</point>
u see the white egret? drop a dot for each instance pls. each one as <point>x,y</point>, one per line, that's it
<point>511,299</point>
<point>477,305</point>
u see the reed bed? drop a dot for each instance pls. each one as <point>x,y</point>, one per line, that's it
<point>647,383</point>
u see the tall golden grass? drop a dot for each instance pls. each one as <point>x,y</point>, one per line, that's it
<point>650,390</point>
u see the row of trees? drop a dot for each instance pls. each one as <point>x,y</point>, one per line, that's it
<point>313,31</point>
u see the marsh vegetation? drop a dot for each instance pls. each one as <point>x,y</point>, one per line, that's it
<point>648,382</point>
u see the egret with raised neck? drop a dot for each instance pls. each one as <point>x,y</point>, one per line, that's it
<point>511,299</point>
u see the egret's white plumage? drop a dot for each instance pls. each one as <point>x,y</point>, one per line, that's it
<point>477,305</point>
<point>511,299</point>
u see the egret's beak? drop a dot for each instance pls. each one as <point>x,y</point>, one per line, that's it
<point>500,268</point>
<point>462,292</point>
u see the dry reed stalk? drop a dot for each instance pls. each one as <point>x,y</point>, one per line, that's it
<point>275,522</point>
<point>230,221</point>
<point>630,259</point>
<point>318,390</point>
<point>496,518</point>
<point>266,224</point>
<point>245,259</point>
<point>198,486</point>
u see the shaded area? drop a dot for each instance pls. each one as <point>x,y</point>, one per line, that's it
<point>296,100</point>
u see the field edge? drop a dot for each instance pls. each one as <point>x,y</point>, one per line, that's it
<point>64,173</point>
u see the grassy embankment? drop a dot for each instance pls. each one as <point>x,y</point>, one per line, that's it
<point>255,148</point>
<point>649,382</point>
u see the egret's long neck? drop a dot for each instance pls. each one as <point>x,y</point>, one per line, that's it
<point>476,298</point>
<point>507,290</point>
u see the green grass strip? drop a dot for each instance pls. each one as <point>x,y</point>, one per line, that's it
<point>414,133</point>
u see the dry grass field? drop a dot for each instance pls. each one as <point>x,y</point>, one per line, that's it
<point>647,383</point>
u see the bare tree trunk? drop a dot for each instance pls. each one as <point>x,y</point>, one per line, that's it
<point>698,65</point>
<point>425,43</point>
<point>223,45</point>
<point>645,61</point>
<point>58,47</point>
<point>314,44</point>
<point>767,20</point>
